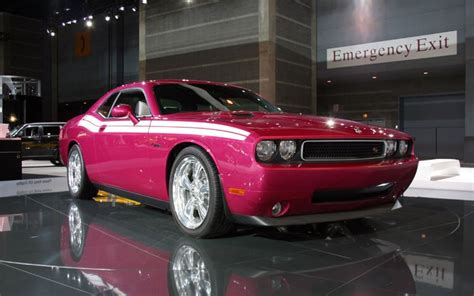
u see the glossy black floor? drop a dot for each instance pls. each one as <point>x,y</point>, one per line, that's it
<point>51,245</point>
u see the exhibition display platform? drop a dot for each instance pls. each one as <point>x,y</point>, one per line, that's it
<point>54,245</point>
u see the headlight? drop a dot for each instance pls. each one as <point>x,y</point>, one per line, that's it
<point>287,149</point>
<point>266,150</point>
<point>391,147</point>
<point>402,148</point>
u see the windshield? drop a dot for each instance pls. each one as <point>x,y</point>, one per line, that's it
<point>15,130</point>
<point>182,97</point>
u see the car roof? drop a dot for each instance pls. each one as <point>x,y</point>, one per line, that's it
<point>45,123</point>
<point>159,81</point>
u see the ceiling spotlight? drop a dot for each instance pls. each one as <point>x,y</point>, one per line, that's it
<point>52,34</point>
<point>48,31</point>
<point>56,12</point>
<point>122,8</point>
<point>90,17</point>
<point>89,23</point>
<point>328,81</point>
<point>67,9</point>
<point>12,118</point>
<point>426,73</point>
<point>63,24</point>
<point>134,9</point>
<point>107,18</point>
<point>116,16</point>
<point>70,22</point>
<point>374,77</point>
<point>144,1</point>
<point>74,21</point>
<point>189,1</point>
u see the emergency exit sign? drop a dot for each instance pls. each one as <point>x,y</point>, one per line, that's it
<point>395,50</point>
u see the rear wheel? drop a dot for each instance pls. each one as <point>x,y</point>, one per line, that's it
<point>196,197</point>
<point>77,180</point>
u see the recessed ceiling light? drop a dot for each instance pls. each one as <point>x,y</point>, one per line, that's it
<point>122,8</point>
<point>374,77</point>
<point>107,18</point>
<point>329,81</point>
<point>89,23</point>
<point>426,73</point>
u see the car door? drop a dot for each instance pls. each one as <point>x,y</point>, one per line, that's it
<point>30,142</point>
<point>49,139</point>
<point>121,145</point>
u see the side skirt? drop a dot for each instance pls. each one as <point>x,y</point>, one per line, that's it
<point>147,200</point>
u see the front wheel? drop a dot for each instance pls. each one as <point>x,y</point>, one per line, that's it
<point>77,180</point>
<point>196,197</point>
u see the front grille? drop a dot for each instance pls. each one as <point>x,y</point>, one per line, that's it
<point>342,150</point>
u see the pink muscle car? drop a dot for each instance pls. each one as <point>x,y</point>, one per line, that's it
<point>216,154</point>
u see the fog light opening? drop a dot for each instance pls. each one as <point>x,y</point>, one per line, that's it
<point>276,209</point>
<point>280,209</point>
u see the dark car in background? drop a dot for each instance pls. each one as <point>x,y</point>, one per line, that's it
<point>39,141</point>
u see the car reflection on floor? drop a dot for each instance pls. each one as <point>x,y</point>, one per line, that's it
<point>201,267</point>
<point>53,245</point>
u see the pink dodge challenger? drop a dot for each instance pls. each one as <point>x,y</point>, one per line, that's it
<point>216,154</point>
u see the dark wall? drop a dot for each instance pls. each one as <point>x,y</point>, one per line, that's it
<point>352,89</point>
<point>89,77</point>
<point>22,45</point>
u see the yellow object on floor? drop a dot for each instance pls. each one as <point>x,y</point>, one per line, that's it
<point>103,196</point>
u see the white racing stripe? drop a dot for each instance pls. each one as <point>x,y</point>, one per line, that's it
<point>197,132</point>
<point>213,126</point>
<point>164,127</point>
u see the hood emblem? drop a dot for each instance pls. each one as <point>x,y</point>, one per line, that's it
<point>357,130</point>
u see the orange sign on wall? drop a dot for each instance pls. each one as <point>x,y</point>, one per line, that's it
<point>83,44</point>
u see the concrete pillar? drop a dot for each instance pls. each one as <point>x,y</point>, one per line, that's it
<point>142,43</point>
<point>267,49</point>
<point>54,77</point>
<point>469,135</point>
<point>314,54</point>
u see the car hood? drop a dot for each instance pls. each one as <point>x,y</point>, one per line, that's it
<point>292,125</point>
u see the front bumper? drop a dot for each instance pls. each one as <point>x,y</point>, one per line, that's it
<point>308,189</point>
<point>315,218</point>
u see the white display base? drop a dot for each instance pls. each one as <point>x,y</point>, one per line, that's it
<point>442,178</point>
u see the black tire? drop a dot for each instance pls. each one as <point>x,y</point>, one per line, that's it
<point>216,222</point>
<point>86,190</point>
<point>56,160</point>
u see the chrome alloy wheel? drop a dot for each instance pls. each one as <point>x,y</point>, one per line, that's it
<point>191,192</point>
<point>76,230</point>
<point>190,274</point>
<point>74,171</point>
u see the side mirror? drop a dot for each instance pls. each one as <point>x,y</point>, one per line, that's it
<point>124,110</point>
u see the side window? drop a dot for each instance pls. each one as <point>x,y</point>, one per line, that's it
<point>104,109</point>
<point>50,131</point>
<point>31,132</point>
<point>135,99</point>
